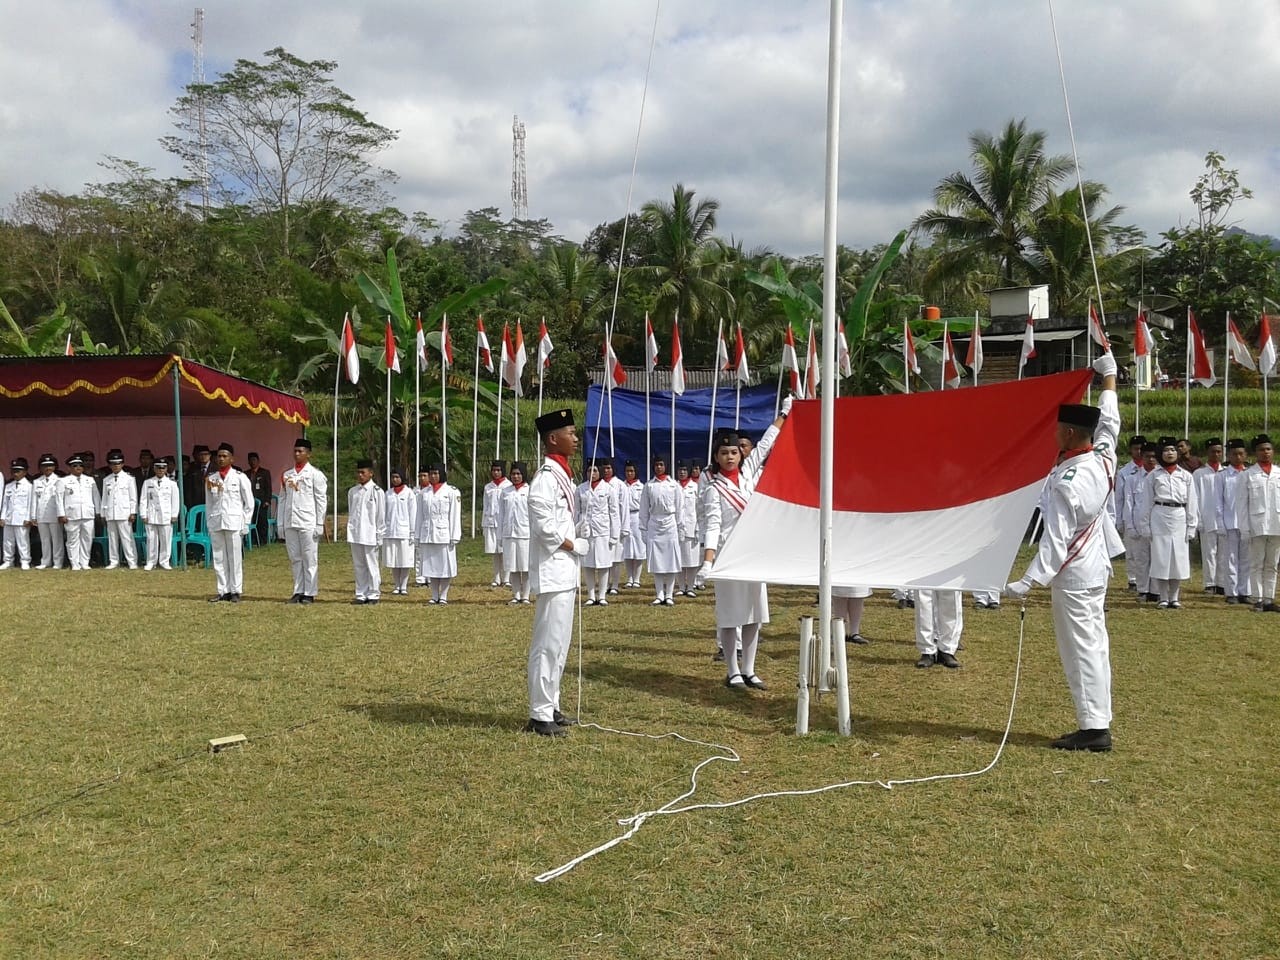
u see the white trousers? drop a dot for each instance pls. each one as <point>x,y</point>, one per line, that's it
<point>120,540</point>
<point>1233,564</point>
<point>986,596</point>
<point>1209,541</point>
<point>159,545</point>
<point>304,561</point>
<point>1264,554</point>
<point>552,635</point>
<point>17,542</point>
<point>228,560</point>
<point>1137,554</point>
<point>1080,626</point>
<point>53,552</point>
<point>79,542</point>
<point>364,558</point>
<point>939,620</point>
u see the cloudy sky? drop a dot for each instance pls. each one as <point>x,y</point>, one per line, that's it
<point>735,108</point>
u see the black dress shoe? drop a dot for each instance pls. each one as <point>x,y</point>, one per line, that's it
<point>740,686</point>
<point>560,720</point>
<point>948,660</point>
<point>754,682</point>
<point>305,599</point>
<point>1095,741</point>
<point>926,660</point>
<point>544,728</point>
<point>859,639</point>
<point>233,597</point>
<point>359,602</point>
<point>296,598</point>
<point>220,598</point>
<point>370,602</point>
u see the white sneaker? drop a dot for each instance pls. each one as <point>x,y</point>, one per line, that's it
<point>6,566</point>
<point>112,566</point>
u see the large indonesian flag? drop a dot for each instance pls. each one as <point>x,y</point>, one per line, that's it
<point>956,525</point>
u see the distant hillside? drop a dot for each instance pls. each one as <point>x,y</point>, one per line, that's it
<point>1262,238</point>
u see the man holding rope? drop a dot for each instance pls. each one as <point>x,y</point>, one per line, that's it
<point>1074,558</point>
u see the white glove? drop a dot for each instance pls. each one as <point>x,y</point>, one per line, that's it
<point>1105,365</point>
<point>1018,589</point>
<point>452,544</point>
<point>785,409</point>
<point>626,534</point>
<point>613,544</point>
<point>317,533</point>
<point>704,571</point>
<point>580,547</point>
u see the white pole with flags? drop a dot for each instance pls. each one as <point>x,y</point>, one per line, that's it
<point>650,364</point>
<point>1028,350</point>
<point>393,365</point>
<point>1266,364</point>
<point>349,363</point>
<point>950,371</point>
<point>544,358</point>
<point>502,376</point>
<point>617,377</point>
<point>677,384</point>
<point>482,355</point>
<point>446,361</point>
<point>419,361</point>
<point>844,362</point>
<point>791,365</point>
<point>910,363</point>
<point>974,357</point>
<point>521,357</point>
<point>1186,381</point>
<point>1141,350</point>
<point>1096,335</point>
<point>722,359</point>
<point>742,374</point>
<point>812,370</point>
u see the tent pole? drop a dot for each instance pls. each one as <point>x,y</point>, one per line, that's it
<point>177,429</point>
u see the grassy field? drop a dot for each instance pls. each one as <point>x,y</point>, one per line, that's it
<point>387,805</point>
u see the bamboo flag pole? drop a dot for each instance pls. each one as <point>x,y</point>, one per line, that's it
<point>337,379</point>
<point>446,349</point>
<point>715,383</point>
<point>1088,347</point>
<point>475,436</point>
<point>1226,374</point>
<point>1186,381</point>
<point>417,402</point>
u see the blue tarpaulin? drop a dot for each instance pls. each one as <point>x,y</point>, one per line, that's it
<point>693,423</point>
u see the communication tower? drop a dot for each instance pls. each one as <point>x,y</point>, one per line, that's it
<point>519,183</point>
<point>201,170</point>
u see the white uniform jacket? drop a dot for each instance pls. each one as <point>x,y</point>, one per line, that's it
<point>402,513</point>
<point>304,498</point>
<point>439,514</point>
<point>44,498</point>
<point>552,504</point>
<point>723,501</point>
<point>598,511</point>
<point>1258,501</point>
<point>513,517</point>
<point>228,501</point>
<point>78,497</point>
<point>1135,509</point>
<point>1126,476</point>
<point>15,502</point>
<point>493,494</point>
<point>119,499</point>
<point>1074,552</point>
<point>1207,495</point>
<point>1229,489</point>
<point>366,514</point>
<point>687,514</point>
<point>629,509</point>
<point>1166,487</point>
<point>158,501</point>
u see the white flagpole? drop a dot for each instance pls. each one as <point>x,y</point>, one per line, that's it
<point>1226,373</point>
<point>444,407</point>
<point>777,400</point>
<point>497,433</point>
<point>386,464</point>
<point>942,373</point>
<point>609,373</point>
<point>977,331</point>
<point>515,433</point>
<point>1186,381</point>
<point>417,405</point>
<point>906,359</point>
<point>648,423</point>
<point>337,379</point>
<point>715,383</point>
<point>673,431</point>
<point>475,437</point>
<point>1088,347</point>
<point>737,404</point>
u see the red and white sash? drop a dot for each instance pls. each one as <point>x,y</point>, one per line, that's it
<point>730,493</point>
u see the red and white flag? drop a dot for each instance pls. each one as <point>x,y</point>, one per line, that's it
<point>521,357</point>
<point>722,355</point>
<point>1266,348</point>
<point>956,526</point>
<point>812,368</point>
<point>791,363</point>
<point>950,370</point>
<point>974,358</point>
<point>420,340</point>
<point>508,367</point>
<point>650,347</point>
<point>392,355</point>
<point>544,347</point>
<point>446,342</point>
<point>1095,330</point>
<point>71,351</point>
<point>1201,368</point>
<point>1142,342</point>
<point>615,375</point>
<point>347,351</point>
<point>910,362</point>
<point>677,360</point>
<point>1028,345</point>
<point>844,363</point>
<point>1236,347</point>
<point>741,371</point>
<point>482,345</point>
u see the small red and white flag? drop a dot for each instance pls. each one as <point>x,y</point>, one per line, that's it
<point>544,347</point>
<point>956,526</point>
<point>1028,345</point>
<point>1201,368</point>
<point>521,358</point>
<point>650,347</point>
<point>844,363</point>
<point>482,345</point>
<point>910,363</point>
<point>812,368</point>
<point>615,375</point>
<point>392,355</point>
<point>791,363</point>
<point>1095,330</point>
<point>722,355</point>
<point>1142,342</point>
<point>71,351</point>
<point>420,340</point>
<point>508,371</point>
<point>446,343</point>
<point>1266,348</point>
<point>347,351</point>
<point>950,370</point>
<point>677,360</point>
<point>973,360</point>
<point>741,372</point>
<point>1236,347</point>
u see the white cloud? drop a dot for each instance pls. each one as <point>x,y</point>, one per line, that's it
<point>736,101</point>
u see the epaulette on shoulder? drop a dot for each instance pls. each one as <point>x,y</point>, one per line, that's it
<point>1069,475</point>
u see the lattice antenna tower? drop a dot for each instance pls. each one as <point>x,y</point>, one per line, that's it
<point>519,182</point>
<point>197,78</point>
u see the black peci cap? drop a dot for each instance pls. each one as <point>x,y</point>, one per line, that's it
<point>552,421</point>
<point>1080,415</point>
<point>364,464</point>
<point>302,442</point>
<point>1259,440</point>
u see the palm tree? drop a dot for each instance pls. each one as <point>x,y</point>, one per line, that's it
<point>573,291</point>
<point>990,216</point>
<point>686,263</point>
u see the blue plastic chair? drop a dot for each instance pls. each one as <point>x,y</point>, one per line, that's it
<point>271,518</point>
<point>140,538</point>
<point>197,535</point>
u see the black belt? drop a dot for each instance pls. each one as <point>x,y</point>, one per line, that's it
<point>1169,503</point>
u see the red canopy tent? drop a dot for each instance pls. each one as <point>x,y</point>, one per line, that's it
<point>162,402</point>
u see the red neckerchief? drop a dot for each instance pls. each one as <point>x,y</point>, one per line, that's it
<point>662,475</point>
<point>730,475</point>
<point>684,482</point>
<point>224,471</point>
<point>633,480</point>
<point>1215,467</point>
<point>1074,452</point>
<point>435,487</point>
<point>594,484</point>
<point>1148,469</point>
<point>1237,467</point>
<point>517,486</point>
<point>1266,468</point>
<point>1170,467</point>
<point>398,487</point>
<point>562,460</point>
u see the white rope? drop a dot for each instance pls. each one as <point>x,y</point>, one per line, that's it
<point>634,822</point>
